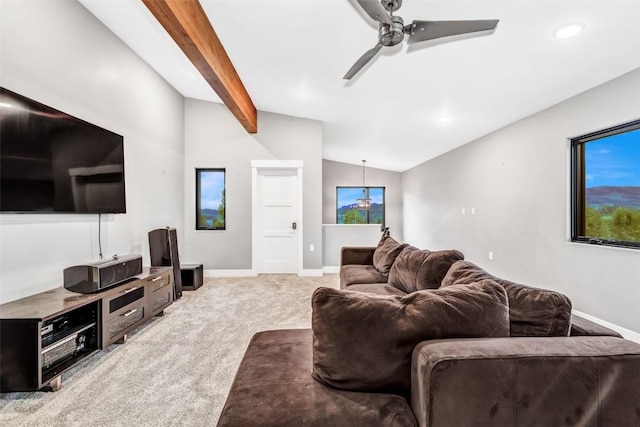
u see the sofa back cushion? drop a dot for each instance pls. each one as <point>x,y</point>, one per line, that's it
<point>363,342</point>
<point>533,312</point>
<point>386,253</point>
<point>415,269</point>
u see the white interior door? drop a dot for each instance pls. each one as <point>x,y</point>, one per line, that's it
<point>278,199</point>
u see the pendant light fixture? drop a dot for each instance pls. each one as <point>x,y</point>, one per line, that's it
<point>364,203</point>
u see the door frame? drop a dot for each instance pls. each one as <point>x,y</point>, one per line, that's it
<point>256,213</point>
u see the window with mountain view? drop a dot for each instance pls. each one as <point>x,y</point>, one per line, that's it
<point>606,186</point>
<point>210,199</point>
<point>347,211</point>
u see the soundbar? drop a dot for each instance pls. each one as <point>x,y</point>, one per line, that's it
<point>101,275</point>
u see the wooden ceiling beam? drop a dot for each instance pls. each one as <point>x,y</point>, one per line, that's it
<point>188,25</point>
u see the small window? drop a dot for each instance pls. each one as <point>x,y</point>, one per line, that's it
<point>605,187</point>
<point>210,199</point>
<point>348,210</point>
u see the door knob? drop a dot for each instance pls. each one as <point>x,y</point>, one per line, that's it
<point>294,225</point>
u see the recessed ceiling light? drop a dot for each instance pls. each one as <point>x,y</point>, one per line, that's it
<point>304,90</point>
<point>304,94</point>
<point>569,30</point>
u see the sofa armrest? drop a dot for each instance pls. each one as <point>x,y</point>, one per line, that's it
<point>361,255</point>
<point>583,327</point>
<point>526,381</point>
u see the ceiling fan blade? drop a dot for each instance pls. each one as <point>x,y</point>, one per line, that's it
<point>364,59</point>
<point>420,31</point>
<point>375,10</point>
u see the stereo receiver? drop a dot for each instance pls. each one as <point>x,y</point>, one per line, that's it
<point>65,348</point>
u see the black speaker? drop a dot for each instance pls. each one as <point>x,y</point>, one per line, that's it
<point>163,245</point>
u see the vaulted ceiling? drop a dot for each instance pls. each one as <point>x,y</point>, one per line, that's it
<point>407,105</point>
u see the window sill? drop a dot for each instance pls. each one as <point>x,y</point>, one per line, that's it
<point>351,225</point>
<point>594,245</point>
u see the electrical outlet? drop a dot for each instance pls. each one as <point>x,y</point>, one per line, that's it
<point>312,248</point>
<point>491,255</point>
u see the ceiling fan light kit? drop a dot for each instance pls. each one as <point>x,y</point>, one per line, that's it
<point>392,29</point>
<point>391,35</point>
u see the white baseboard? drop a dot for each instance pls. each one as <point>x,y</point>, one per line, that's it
<point>252,273</point>
<point>229,273</point>
<point>331,269</point>
<point>627,333</point>
<point>311,273</point>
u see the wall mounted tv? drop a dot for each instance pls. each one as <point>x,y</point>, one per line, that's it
<point>52,162</point>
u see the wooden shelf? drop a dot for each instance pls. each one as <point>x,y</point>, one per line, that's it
<point>86,323</point>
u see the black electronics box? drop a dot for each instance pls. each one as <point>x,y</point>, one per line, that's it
<point>191,276</point>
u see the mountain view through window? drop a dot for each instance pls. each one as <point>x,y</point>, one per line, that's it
<point>210,199</point>
<point>612,187</point>
<point>347,211</point>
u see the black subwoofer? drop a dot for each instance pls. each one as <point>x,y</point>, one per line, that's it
<point>191,276</point>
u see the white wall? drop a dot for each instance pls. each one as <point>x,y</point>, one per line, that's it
<point>57,53</point>
<point>336,236</point>
<point>517,179</point>
<point>215,139</point>
<point>337,174</point>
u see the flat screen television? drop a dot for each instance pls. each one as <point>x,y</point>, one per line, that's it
<point>52,162</point>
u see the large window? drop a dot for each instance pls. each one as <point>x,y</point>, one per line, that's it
<point>606,186</point>
<point>210,199</point>
<point>348,212</point>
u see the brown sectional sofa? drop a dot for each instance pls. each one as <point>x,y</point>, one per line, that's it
<point>377,353</point>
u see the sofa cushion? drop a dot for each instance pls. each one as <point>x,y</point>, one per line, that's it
<point>386,253</point>
<point>356,274</point>
<point>416,269</point>
<point>363,342</point>
<point>273,388</point>
<point>533,312</point>
<point>376,288</point>
<point>360,255</point>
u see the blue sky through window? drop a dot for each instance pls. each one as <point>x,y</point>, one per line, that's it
<point>211,186</point>
<point>348,195</point>
<point>613,161</point>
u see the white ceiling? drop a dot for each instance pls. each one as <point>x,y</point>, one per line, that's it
<point>291,56</point>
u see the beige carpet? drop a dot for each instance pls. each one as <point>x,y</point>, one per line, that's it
<point>176,369</point>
